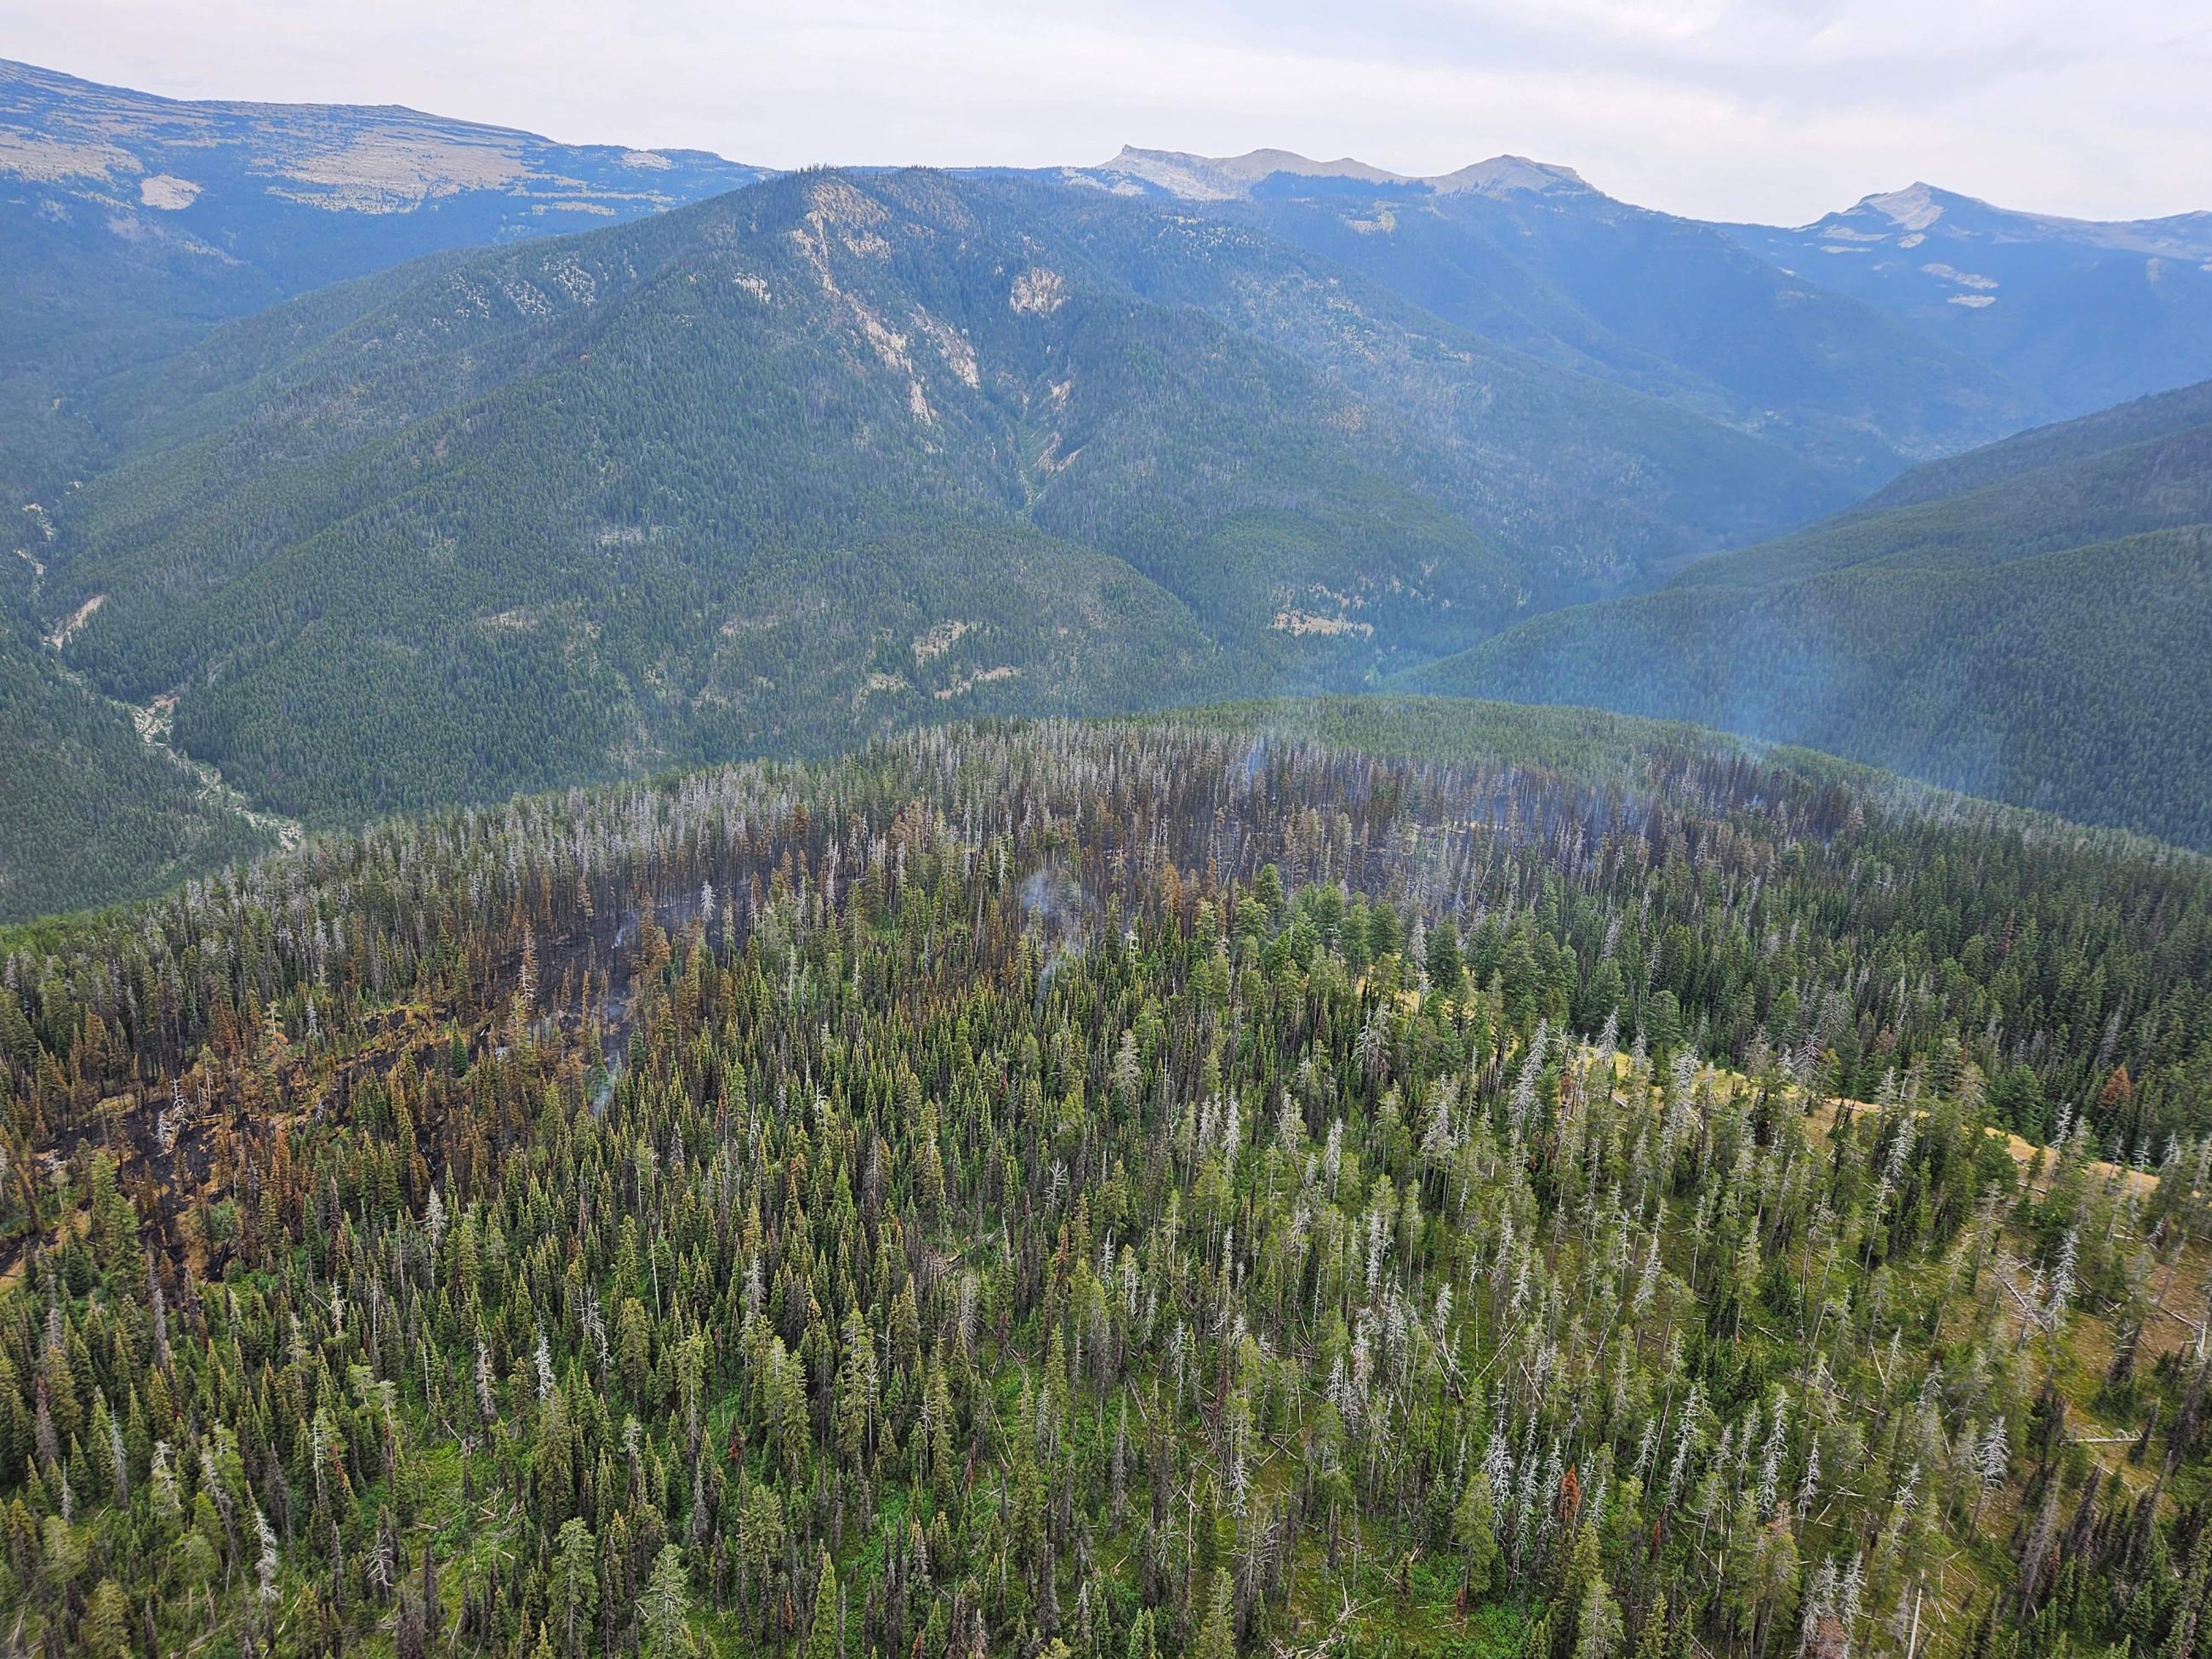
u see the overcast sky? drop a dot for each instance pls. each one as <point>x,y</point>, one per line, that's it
<point>1777,110</point>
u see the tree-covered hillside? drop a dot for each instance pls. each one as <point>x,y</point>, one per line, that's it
<point>1133,1192</point>
<point>806,463</point>
<point>1594,482</point>
<point>92,812</point>
<point>2025,622</point>
<point>2167,414</point>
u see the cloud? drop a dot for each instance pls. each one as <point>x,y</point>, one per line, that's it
<point>1756,109</point>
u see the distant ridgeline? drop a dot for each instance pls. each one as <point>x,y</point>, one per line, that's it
<point>1122,1193</point>
<point>134,223</point>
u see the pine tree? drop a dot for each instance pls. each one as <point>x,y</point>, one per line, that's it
<point>824,1640</point>
<point>1217,1637</point>
<point>106,1633</point>
<point>664,1610</point>
<point>1475,1525</point>
<point>575,1583</point>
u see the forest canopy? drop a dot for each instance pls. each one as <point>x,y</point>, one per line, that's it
<point>1127,1190</point>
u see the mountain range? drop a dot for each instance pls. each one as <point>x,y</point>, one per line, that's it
<point>1530,256</point>
<point>353,477</point>
<point>2063,316</point>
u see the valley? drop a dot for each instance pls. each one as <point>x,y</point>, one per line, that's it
<point>2021,621</point>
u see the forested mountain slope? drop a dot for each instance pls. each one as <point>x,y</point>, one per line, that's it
<point>130,223</point>
<point>1533,258</point>
<point>1119,1192</point>
<point>2076,314</point>
<point>2166,415</point>
<point>2025,623</point>
<point>838,453</point>
<point>794,464</point>
<point>1597,484</point>
<point>819,459</point>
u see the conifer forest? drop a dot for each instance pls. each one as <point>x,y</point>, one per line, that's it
<point>1141,1190</point>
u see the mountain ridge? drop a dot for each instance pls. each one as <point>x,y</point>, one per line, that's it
<point>1667,306</point>
<point>2009,288</point>
<point>1211,177</point>
<point>1920,205</point>
<point>2076,314</point>
<point>132,223</point>
<point>1013,434</point>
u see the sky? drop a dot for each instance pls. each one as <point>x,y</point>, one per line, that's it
<point>1776,111</point>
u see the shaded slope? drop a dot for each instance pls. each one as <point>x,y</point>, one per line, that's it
<point>2070,681</point>
<point>2141,421</point>
<point>2102,495</point>
<point>2038,638</point>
